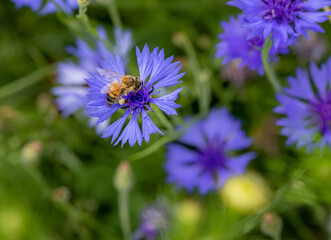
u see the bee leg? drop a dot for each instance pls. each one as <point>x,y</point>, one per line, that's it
<point>124,107</point>
<point>121,101</point>
<point>151,90</point>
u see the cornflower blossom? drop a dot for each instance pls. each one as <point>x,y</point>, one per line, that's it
<point>234,45</point>
<point>72,90</point>
<point>284,20</point>
<point>123,43</point>
<point>205,156</point>
<point>155,72</point>
<point>306,104</point>
<point>153,221</point>
<point>51,6</point>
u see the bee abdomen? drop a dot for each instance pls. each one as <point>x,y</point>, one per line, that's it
<point>110,100</point>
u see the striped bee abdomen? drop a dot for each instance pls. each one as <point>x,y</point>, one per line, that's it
<point>113,93</point>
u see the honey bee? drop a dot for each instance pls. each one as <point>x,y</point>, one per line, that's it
<point>118,86</point>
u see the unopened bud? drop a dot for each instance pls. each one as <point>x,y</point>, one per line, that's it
<point>31,151</point>
<point>178,39</point>
<point>61,194</point>
<point>83,3</point>
<point>271,225</point>
<point>123,179</point>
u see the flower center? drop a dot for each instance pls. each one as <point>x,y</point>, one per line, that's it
<point>323,111</point>
<point>281,10</point>
<point>138,100</point>
<point>212,159</point>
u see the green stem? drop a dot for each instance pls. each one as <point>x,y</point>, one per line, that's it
<point>165,121</point>
<point>25,81</point>
<point>114,14</point>
<point>202,87</point>
<point>123,203</point>
<point>267,68</point>
<point>151,149</point>
<point>83,16</point>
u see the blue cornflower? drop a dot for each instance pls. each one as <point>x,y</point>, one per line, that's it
<point>161,73</point>
<point>206,155</point>
<point>154,220</point>
<point>234,45</point>
<point>34,5</point>
<point>67,6</point>
<point>306,104</point>
<point>72,92</point>
<point>123,43</point>
<point>286,20</point>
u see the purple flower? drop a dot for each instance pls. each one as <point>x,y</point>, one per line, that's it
<point>205,156</point>
<point>234,45</point>
<point>34,5</point>
<point>155,72</point>
<point>154,219</point>
<point>286,20</point>
<point>67,6</point>
<point>306,104</point>
<point>72,92</point>
<point>123,43</point>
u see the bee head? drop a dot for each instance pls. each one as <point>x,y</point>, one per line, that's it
<point>139,83</point>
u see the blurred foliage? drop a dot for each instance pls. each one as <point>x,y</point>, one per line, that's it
<point>56,175</point>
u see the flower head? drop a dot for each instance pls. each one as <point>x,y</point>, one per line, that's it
<point>306,104</point>
<point>155,72</point>
<point>205,156</point>
<point>123,43</point>
<point>286,20</point>
<point>34,5</point>
<point>154,219</point>
<point>72,90</point>
<point>67,6</point>
<point>234,45</point>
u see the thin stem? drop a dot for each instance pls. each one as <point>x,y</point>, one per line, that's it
<point>25,81</point>
<point>151,149</point>
<point>267,68</point>
<point>123,203</point>
<point>165,121</point>
<point>83,16</point>
<point>114,14</point>
<point>202,89</point>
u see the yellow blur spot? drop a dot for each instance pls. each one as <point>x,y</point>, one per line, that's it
<point>189,212</point>
<point>11,223</point>
<point>246,193</point>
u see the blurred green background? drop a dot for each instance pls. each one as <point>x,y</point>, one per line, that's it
<point>56,174</point>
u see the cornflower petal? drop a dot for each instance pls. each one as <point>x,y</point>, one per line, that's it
<point>307,113</point>
<point>205,157</point>
<point>284,20</point>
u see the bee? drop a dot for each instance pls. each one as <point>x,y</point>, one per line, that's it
<point>119,85</point>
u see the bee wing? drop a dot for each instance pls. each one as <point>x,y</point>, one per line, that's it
<point>109,75</point>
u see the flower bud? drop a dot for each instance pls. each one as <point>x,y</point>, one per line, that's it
<point>246,193</point>
<point>83,3</point>
<point>31,151</point>
<point>271,225</point>
<point>61,194</point>
<point>178,39</point>
<point>123,179</point>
